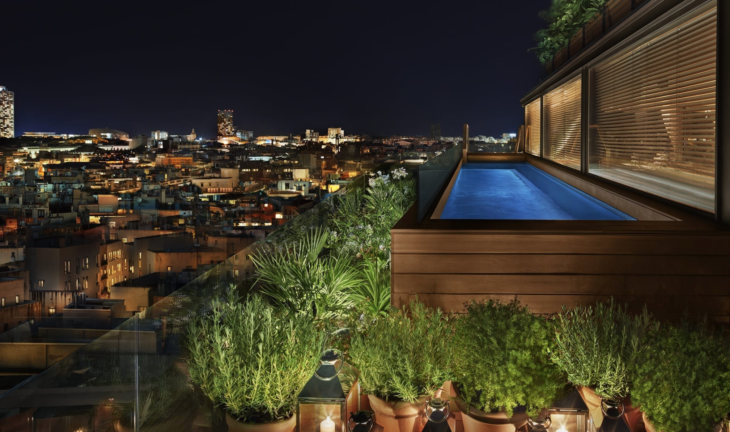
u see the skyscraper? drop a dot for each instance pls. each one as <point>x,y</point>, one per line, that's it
<point>225,124</point>
<point>7,113</point>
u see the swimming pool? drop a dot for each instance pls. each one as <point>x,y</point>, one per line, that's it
<point>519,191</point>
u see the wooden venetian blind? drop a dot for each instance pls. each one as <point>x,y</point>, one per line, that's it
<point>562,112</point>
<point>653,124</point>
<point>532,127</point>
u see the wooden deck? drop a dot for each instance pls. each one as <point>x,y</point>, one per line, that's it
<point>670,260</point>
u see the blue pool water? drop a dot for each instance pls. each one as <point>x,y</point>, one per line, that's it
<point>520,191</point>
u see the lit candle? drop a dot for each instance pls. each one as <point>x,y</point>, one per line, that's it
<point>327,425</point>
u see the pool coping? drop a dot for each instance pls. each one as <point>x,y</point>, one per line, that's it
<point>650,214</point>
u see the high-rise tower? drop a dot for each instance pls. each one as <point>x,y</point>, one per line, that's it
<point>7,113</point>
<point>225,124</point>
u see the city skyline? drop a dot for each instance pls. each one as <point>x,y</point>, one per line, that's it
<point>382,74</point>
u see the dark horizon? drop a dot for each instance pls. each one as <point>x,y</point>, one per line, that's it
<point>382,69</point>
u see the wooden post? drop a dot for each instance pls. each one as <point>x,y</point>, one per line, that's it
<point>722,129</point>
<point>466,143</point>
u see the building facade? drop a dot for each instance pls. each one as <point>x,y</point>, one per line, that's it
<point>225,123</point>
<point>7,113</point>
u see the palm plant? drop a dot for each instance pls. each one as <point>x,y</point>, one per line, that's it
<point>372,295</point>
<point>298,278</point>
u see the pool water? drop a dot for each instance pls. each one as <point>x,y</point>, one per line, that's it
<point>519,191</point>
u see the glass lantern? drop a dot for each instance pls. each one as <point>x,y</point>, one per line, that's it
<point>322,404</point>
<point>437,413</point>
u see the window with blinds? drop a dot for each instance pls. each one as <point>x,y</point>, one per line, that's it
<point>562,111</point>
<point>653,120</point>
<point>532,127</point>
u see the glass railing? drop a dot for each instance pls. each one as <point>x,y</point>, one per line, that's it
<point>433,175</point>
<point>134,377</point>
<point>487,147</point>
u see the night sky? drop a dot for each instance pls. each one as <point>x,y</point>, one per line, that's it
<point>376,67</point>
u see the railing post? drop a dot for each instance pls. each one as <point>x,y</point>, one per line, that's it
<point>136,372</point>
<point>466,143</point>
<point>603,19</point>
<point>584,36</point>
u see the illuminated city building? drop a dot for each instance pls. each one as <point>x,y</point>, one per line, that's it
<point>7,113</point>
<point>225,124</point>
<point>159,135</point>
<point>109,134</point>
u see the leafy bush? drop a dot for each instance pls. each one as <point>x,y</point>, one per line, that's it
<point>501,358</point>
<point>682,382</point>
<point>564,19</point>
<point>297,278</point>
<point>363,219</point>
<point>251,360</point>
<point>372,294</point>
<point>597,346</point>
<point>404,357</point>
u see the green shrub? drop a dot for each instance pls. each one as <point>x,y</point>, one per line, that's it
<point>682,382</point>
<point>363,219</point>
<point>501,358</point>
<point>251,360</point>
<point>403,357</point>
<point>298,278</point>
<point>596,346</point>
<point>372,294</point>
<point>564,18</point>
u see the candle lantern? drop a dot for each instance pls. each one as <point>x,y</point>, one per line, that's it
<point>322,404</point>
<point>437,413</point>
<point>542,422</point>
<point>361,421</point>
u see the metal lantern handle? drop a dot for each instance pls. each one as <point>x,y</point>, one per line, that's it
<point>619,405</point>
<point>351,424</point>
<point>537,425</point>
<point>444,410</point>
<point>341,358</point>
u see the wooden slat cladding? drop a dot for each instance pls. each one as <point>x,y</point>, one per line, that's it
<point>532,125</point>
<point>562,112</point>
<point>670,308</point>
<point>674,243</point>
<point>653,115</point>
<point>671,272</point>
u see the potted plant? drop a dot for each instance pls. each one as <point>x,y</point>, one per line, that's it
<point>682,382</point>
<point>403,358</point>
<point>501,361</point>
<point>253,361</point>
<point>596,347</point>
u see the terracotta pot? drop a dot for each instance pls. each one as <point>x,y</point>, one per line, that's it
<point>633,416</point>
<point>593,402</point>
<point>287,425</point>
<point>399,416</point>
<point>647,423</point>
<point>476,420</point>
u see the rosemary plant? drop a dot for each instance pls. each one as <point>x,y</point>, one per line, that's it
<point>252,360</point>
<point>597,346</point>
<point>404,355</point>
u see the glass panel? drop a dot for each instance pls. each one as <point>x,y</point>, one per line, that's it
<point>562,112</point>
<point>433,176</point>
<point>653,122</point>
<point>532,127</point>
